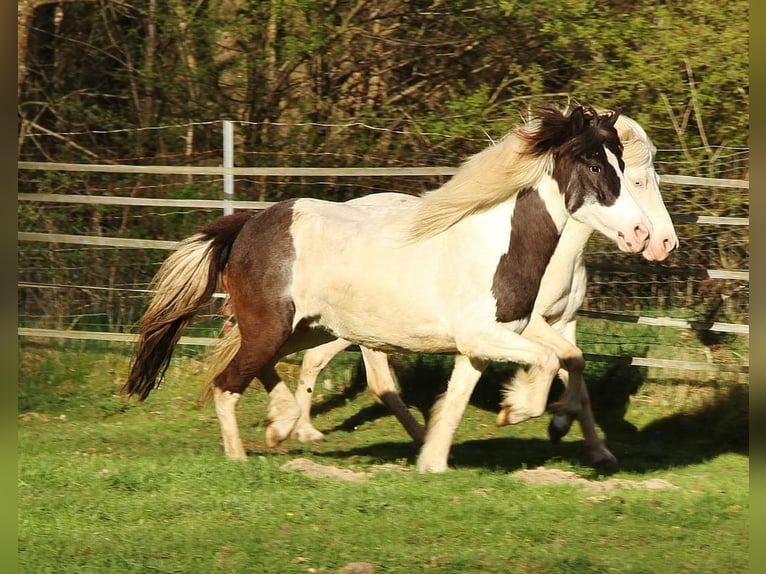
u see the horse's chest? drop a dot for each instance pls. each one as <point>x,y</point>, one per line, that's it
<point>517,278</point>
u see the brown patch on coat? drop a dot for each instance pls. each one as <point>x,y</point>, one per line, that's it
<point>519,272</point>
<point>258,274</point>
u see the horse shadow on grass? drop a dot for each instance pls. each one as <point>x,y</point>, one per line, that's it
<point>720,425</point>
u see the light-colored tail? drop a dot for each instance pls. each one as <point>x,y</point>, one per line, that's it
<point>184,283</point>
<point>222,354</point>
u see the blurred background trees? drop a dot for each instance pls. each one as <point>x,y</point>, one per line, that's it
<point>446,67</point>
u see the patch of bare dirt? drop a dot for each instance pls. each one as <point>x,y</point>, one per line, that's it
<point>40,417</point>
<point>357,568</point>
<point>542,475</point>
<point>316,470</point>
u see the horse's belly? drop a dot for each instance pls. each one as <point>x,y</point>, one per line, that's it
<point>372,306</point>
<point>376,318</point>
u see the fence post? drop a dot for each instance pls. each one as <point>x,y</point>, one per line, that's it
<point>228,162</point>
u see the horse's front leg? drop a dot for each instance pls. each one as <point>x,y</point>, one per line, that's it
<point>575,404</point>
<point>477,347</point>
<point>447,413</point>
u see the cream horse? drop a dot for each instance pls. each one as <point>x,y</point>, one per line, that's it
<point>554,319</point>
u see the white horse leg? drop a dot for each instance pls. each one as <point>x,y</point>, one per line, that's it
<point>571,360</point>
<point>447,413</point>
<point>225,405</point>
<point>229,386</point>
<point>526,395</point>
<point>282,415</point>
<point>382,384</point>
<point>314,360</point>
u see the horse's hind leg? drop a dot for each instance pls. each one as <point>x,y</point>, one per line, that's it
<point>382,383</point>
<point>253,360</point>
<point>225,408</point>
<point>284,410</point>
<point>314,360</point>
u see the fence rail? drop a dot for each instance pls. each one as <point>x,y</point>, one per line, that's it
<point>208,341</point>
<point>221,203</point>
<point>321,172</point>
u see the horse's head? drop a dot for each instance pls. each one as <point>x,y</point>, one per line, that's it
<point>588,168</point>
<point>638,153</point>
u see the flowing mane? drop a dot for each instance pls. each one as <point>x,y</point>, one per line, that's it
<point>496,174</point>
<point>638,150</point>
<point>486,179</point>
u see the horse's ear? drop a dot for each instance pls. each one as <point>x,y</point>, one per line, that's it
<point>611,119</point>
<point>577,120</point>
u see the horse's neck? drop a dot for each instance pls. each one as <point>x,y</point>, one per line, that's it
<point>562,289</point>
<point>574,238</point>
<point>554,202</point>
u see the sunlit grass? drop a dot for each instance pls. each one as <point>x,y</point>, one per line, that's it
<point>110,485</point>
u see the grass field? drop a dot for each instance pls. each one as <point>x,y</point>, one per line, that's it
<point>110,485</point>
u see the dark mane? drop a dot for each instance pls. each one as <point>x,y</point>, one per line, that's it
<point>581,130</point>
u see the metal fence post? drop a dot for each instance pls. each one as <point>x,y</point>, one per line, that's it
<point>228,162</point>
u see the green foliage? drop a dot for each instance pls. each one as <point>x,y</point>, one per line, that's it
<point>304,60</point>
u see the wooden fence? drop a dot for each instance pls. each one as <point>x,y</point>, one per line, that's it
<point>227,204</point>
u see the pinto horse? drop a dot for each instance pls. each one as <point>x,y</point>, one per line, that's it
<point>561,294</point>
<point>456,271</point>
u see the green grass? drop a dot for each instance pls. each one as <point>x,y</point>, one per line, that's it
<point>110,485</point>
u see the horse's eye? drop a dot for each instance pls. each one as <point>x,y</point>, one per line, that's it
<point>595,168</point>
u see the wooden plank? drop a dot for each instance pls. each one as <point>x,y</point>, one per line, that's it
<point>207,341</point>
<point>101,241</point>
<point>669,322</point>
<point>711,220</point>
<point>241,171</point>
<point>219,203</point>
<point>321,172</point>
<point>139,201</point>
<point>98,336</point>
<point>160,244</point>
<point>665,270</point>
<point>668,364</point>
<point>705,181</point>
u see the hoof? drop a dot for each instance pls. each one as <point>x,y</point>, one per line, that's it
<point>237,454</point>
<point>434,468</point>
<point>278,431</point>
<point>558,428</point>
<point>507,416</point>
<point>307,434</point>
<point>604,462</point>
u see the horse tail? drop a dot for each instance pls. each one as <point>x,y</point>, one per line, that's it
<point>222,354</point>
<point>183,284</point>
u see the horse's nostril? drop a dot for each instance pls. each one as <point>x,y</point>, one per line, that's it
<point>668,244</point>
<point>641,233</point>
